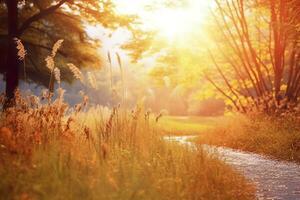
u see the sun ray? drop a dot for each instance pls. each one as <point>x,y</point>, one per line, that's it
<point>172,23</point>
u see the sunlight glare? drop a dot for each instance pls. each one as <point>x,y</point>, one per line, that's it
<point>171,23</point>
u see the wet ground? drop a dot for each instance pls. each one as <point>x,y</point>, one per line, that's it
<point>274,179</point>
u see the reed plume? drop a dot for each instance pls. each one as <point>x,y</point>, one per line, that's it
<point>92,80</point>
<point>56,46</point>
<point>110,69</point>
<point>57,75</point>
<point>21,53</point>
<point>21,49</point>
<point>122,75</point>
<point>50,63</point>
<point>76,71</point>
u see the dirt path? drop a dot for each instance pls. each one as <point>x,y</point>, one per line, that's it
<point>274,179</point>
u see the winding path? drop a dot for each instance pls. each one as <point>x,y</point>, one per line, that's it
<point>274,179</point>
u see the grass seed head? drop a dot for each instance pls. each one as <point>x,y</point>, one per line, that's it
<point>76,71</point>
<point>56,46</point>
<point>21,49</point>
<point>92,80</point>
<point>50,63</point>
<point>57,75</point>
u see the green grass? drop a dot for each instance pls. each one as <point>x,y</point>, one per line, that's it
<point>174,125</point>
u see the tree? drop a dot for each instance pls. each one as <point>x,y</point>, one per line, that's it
<point>260,43</point>
<point>39,23</point>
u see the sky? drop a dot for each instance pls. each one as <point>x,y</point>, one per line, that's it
<point>170,21</point>
<point>174,25</point>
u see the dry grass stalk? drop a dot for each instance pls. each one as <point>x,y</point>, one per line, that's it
<point>56,46</point>
<point>160,115</point>
<point>45,136</point>
<point>76,71</point>
<point>21,49</point>
<point>21,53</point>
<point>50,63</point>
<point>147,115</point>
<point>92,80</point>
<point>57,75</point>
<point>109,123</point>
<point>110,69</point>
<point>122,75</point>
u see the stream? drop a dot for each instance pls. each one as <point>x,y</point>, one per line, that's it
<point>273,179</point>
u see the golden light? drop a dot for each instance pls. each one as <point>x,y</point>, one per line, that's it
<point>177,24</point>
<point>172,23</point>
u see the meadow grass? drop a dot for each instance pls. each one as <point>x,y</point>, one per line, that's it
<point>187,125</point>
<point>50,152</point>
<point>271,136</point>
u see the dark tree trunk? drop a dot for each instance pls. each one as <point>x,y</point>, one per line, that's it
<point>12,65</point>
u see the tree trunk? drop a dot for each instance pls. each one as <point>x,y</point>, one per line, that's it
<point>12,65</point>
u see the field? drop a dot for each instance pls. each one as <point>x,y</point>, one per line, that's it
<point>184,125</point>
<point>91,90</point>
<point>277,138</point>
<point>104,154</point>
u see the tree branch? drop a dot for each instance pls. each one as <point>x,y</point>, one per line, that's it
<point>45,47</point>
<point>221,91</point>
<point>40,15</point>
<point>226,80</point>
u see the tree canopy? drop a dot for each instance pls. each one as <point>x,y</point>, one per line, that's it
<point>42,22</point>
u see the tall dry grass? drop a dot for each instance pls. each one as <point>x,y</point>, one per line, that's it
<point>271,136</point>
<point>49,150</point>
<point>21,54</point>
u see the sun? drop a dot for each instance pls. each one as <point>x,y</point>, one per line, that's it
<point>171,23</point>
<point>179,26</point>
